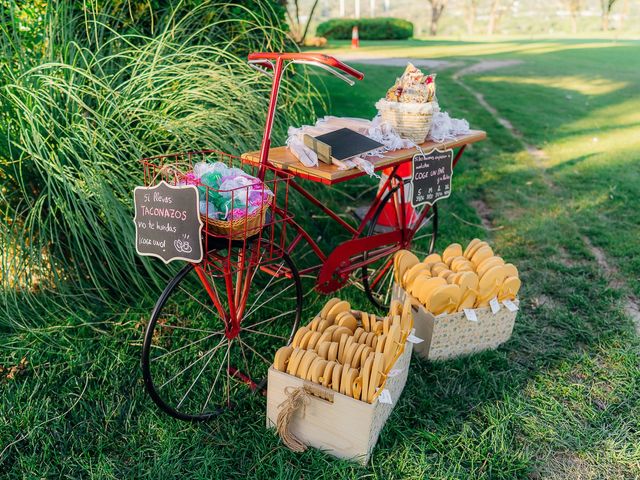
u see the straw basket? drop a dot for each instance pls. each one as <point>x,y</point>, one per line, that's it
<point>409,120</point>
<point>239,228</point>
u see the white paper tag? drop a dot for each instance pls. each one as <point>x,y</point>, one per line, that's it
<point>385,397</point>
<point>394,372</point>
<point>495,305</point>
<point>413,339</point>
<point>470,313</point>
<point>512,307</point>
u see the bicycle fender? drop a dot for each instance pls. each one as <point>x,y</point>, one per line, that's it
<point>336,269</point>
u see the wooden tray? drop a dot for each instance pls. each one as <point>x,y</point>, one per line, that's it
<point>282,158</point>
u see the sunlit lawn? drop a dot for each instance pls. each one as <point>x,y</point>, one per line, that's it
<point>560,400</point>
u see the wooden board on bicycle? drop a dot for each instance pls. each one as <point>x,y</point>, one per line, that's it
<point>282,158</point>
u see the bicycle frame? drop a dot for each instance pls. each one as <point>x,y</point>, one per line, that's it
<point>335,268</point>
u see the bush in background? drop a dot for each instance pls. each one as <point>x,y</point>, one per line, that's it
<point>79,109</point>
<point>368,28</point>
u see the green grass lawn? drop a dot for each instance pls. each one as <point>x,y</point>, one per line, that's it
<point>560,400</point>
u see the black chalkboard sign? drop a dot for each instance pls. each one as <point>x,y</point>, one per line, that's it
<point>431,179</point>
<point>167,221</point>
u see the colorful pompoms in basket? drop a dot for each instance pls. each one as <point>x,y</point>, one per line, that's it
<point>227,193</point>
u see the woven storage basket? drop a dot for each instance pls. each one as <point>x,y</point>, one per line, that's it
<point>409,120</point>
<point>240,228</point>
<point>453,335</point>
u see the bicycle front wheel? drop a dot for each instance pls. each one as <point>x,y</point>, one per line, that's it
<point>196,363</point>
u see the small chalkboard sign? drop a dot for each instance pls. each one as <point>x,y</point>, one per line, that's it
<point>167,221</point>
<point>431,179</point>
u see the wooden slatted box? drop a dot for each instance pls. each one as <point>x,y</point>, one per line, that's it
<point>335,423</point>
<point>453,335</point>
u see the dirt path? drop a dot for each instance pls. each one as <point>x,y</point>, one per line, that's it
<point>631,303</point>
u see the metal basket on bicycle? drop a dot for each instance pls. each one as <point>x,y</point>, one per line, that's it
<point>234,213</point>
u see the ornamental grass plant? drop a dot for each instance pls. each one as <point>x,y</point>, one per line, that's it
<point>88,96</point>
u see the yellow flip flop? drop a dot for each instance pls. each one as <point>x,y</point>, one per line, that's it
<point>424,293</point>
<point>328,306</point>
<point>407,261</point>
<point>481,254</point>
<point>494,277</point>
<point>281,358</point>
<point>467,281</point>
<point>511,270</point>
<point>298,336</point>
<point>470,245</point>
<point>327,375</point>
<point>366,374</point>
<point>509,289</point>
<point>444,299</point>
<point>452,251</point>
<point>431,259</point>
<point>488,263</point>
<point>336,375</point>
<point>341,306</point>
<point>476,246</point>
<point>468,300</point>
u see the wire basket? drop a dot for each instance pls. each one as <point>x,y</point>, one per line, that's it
<point>243,224</point>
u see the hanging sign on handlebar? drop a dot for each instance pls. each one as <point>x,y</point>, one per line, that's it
<point>431,176</point>
<point>167,221</point>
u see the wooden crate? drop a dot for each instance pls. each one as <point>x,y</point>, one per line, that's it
<point>335,423</point>
<point>453,335</point>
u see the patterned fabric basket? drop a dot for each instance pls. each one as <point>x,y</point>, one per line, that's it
<point>239,228</point>
<point>410,120</point>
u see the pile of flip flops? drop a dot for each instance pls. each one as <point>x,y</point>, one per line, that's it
<point>458,279</point>
<point>347,350</point>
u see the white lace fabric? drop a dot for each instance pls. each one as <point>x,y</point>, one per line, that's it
<point>443,128</point>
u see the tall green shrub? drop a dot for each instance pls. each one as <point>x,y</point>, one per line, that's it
<point>368,28</point>
<point>74,124</point>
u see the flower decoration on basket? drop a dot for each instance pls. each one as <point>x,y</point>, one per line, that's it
<point>410,104</point>
<point>232,203</point>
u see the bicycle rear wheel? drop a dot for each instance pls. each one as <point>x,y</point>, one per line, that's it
<point>195,363</point>
<point>421,232</point>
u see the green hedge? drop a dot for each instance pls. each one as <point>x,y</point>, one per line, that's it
<point>368,28</point>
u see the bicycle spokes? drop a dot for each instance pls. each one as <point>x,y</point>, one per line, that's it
<point>198,359</point>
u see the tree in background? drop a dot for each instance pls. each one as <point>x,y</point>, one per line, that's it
<point>495,14</point>
<point>607,6</point>
<point>298,28</point>
<point>471,10</point>
<point>574,7</point>
<point>437,7</point>
<point>625,13</point>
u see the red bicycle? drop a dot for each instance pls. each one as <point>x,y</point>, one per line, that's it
<point>215,328</point>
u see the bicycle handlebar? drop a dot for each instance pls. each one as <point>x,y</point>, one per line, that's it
<point>276,62</point>
<point>265,58</point>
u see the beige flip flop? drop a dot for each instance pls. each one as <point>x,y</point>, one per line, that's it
<point>452,251</point>
<point>281,358</point>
